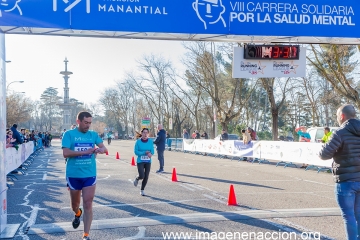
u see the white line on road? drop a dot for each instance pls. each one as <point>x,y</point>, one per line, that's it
<point>139,204</point>
<point>213,198</point>
<point>194,186</point>
<point>139,235</point>
<point>44,177</point>
<point>191,189</point>
<point>32,219</point>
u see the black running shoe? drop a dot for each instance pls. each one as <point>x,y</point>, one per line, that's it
<point>86,238</point>
<point>76,221</point>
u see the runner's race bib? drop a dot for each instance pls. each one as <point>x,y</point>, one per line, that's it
<point>145,159</point>
<point>79,147</point>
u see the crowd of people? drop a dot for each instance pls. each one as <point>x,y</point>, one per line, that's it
<point>14,138</point>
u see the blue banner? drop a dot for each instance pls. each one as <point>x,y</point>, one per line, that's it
<point>318,18</point>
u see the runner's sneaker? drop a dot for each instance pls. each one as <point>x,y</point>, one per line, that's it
<point>160,170</point>
<point>86,238</point>
<point>136,181</point>
<point>142,193</point>
<point>76,221</point>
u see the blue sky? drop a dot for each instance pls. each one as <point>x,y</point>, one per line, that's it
<point>96,63</point>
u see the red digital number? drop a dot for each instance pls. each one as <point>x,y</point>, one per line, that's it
<point>275,52</point>
<point>286,52</point>
<point>293,52</point>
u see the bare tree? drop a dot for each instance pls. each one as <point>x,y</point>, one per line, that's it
<point>336,65</point>
<point>18,109</point>
<point>212,74</point>
<point>155,75</point>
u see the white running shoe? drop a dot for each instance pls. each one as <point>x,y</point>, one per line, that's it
<point>136,181</point>
<point>142,193</point>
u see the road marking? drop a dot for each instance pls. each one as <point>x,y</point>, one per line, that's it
<point>139,204</point>
<point>191,189</point>
<point>139,235</point>
<point>44,177</point>
<point>32,219</point>
<point>62,227</point>
<point>215,199</point>
<point>194,186</point>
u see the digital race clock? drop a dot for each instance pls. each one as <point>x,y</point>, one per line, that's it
<point>283,52</point>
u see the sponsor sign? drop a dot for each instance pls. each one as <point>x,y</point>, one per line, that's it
<point>320,18</point>
<point>267,68</point>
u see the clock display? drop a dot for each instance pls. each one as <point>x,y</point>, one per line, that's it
<point>283,52</point>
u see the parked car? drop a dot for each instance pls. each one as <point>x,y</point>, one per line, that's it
<point>317,133</point>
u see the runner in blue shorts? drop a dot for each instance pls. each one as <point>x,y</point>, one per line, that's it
<point>78,147</point>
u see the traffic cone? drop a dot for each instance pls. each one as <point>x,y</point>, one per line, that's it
<point>232,197</point>
<point>133,161</point>
<point>174,178</point>
<point>107,153</point>
<point>117,155</point>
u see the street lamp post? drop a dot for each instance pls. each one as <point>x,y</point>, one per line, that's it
<point>13,82</point>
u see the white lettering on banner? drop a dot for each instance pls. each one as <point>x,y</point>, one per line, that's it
<point>291,13</point>
<point>131,9</point>
<point>332,20</point>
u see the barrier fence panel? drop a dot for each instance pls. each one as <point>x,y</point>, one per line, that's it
<point>286,152</point>
<point>14,158</point>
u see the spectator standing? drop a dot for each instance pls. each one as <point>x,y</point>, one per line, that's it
<point>205,135</point>
<point>327,135</point>
<point>252,133</point>
<point>193,136</point>
<point>303,135</point>
<point>62,134</point>
<point>160,146</point>
<point>224,135</point>
<point>23,135</point>
<point>185,134</point>
<point>50,138</point>
<point>344,148</point>
<point>16,135</point>
<point>197,134</point>
<point>168,140</point>
<point>246,137</point>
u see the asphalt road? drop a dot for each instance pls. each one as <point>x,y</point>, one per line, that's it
<point>273,200</point>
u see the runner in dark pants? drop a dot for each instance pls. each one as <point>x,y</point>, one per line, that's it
<point>109,137</point>
<point>144,149</point>
<point>160,146</point>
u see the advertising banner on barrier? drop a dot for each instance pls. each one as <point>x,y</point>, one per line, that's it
<point>14,158</point>
<point>324,18</point>
<point>296,152</point>
<point>230,148</point>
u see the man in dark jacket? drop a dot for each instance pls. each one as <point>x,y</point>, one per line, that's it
<point>160,146</point>
<point>224,135</point>
<point>16,135</point>
<point>344,148</point>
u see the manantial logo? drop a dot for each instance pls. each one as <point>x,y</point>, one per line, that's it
<point>209,11</point>
<point>9,6</point>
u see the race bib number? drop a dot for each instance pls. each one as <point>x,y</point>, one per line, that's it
<point>80,147</point>
<point>145,159</point>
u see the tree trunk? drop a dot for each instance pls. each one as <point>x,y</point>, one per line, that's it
<point>275,123</point>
